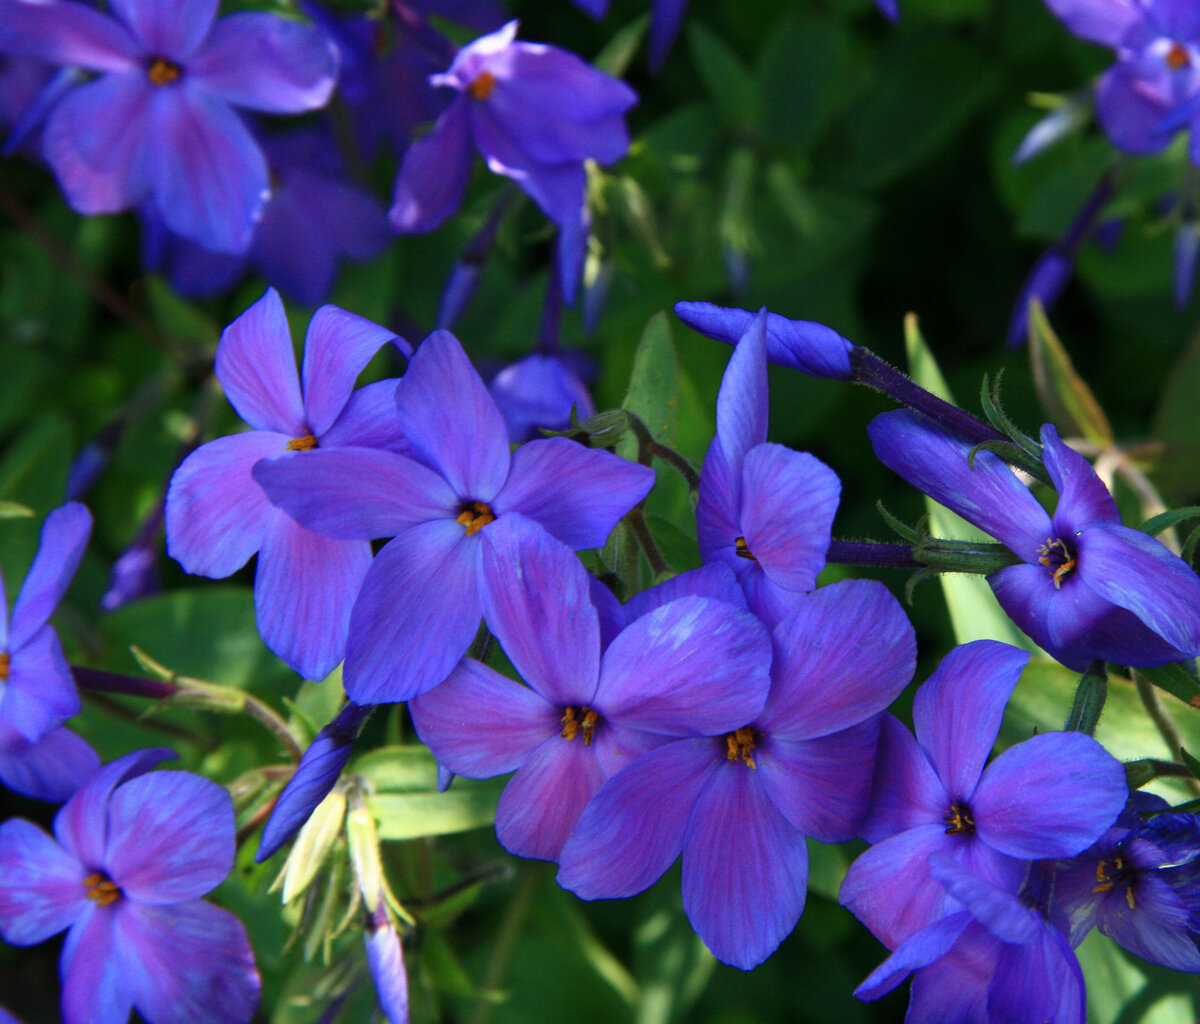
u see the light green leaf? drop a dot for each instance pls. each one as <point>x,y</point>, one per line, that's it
<point>1124,990</point>
<point>466,806</point>
<point>653,394</point>
<point>618,52</point>
<point>399,769</point>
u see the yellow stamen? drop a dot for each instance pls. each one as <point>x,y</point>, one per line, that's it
<point>1177,57</point>
<point>475,517</point>
<point>163,71</point>
<point>739,746</point>
<point>303,443</point>
<point>959,820</point>
<point>483,86</point>
<point>100,890</point>
<point>1057,557</point>
<point>742,551</point>
<point>1129,898</point>
<point>5,664</point>
<point>587,724</point>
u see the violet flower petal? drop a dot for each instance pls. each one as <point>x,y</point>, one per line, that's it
<point>1040,981</point>
<point>434,174</point>
<point>369,420</point>
<point>40,692</point>
<point>94,980</point>
<point>1157,928</point>
<point>716,581</point>
<point>1083,500</point>
<point>41,885</point>
<point>665,22</point>
<point>50,769</point>
<point>67,33</point>
<point>385,961</point>
<point>743,399</point>
<point>1098,21</point>
<point>907,791</point>
<point>931,943</point>
<point>1131,114</point>
<point>171,30</point>
<point>63,539</point>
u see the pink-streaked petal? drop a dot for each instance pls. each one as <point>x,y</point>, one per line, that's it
<point>997,908</point>
<point>369,420</point>
<point>66,33</point>
<point>41,885</point>
<point>577,494</point>
<point>633,829</point>
<point>171,30</point>
<point>1082,497</point>
<point>189,963</point>
<point>337,348</point>
<point>434,174</point>
<point>170,837</point>
<point>304,588</point>
<point>542,802</point>
<point>256,366</point>
<point>1051,796</point>
<point>451,420</point>
<point>95,987</point>
<point>537,601</point>
<point>265,62</point>
<point>694,666</point>
<point>742,401</point>
<point>216,513</point>
<point>990,496</point>
<point>81,824</point>
<point>480,724</point>
<point>842,655</point>
<point>97,140</point>
<point>787,507</point>
<point>906,791</point>
<point>208,175</point>
<point>957,712</point>
<point>821,786</point>
<point>745,869</point>
<point>64,537</point>
<point>415,616</point>
<point>40,693</point>
<point>927,946</point>
<point>1098,21</point>
<point>356,493</point>
<point>50,769</point>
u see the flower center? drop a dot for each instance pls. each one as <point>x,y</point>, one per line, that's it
<point>1105,881</point>
<point>739,745</point>
<point>958,820</point>
<point>483,86</point>
<point>1057,557</point>
<point>100,890</point>
<point>5,664</point>
<point>742,551</point>
<point>475,515</point>
<point>303,443</point>
<point>1178,57</point>
<point>163,71</point>
<point>587,721</point>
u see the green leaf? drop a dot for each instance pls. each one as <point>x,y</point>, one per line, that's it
<point>653,394</point>
<point>14,510</point>
<point>1190,761</point>
<point>618,52</point>
<point>671,964</point>
<point>1176,680</point>
<point>1165,520</point>
<point>1066,399</point>
<point>466,806</point>
<point>727,79</point>
<point>1122,989</point>
<point>399,769</point>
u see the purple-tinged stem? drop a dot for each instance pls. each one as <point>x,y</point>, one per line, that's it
<point>854,552</point>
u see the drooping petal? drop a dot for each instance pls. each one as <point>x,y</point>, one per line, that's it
<point>415,616</point>
<point>95,986</point>
<point>171,30</point>
<point>1054,619</point>
<point>1051,796</point>
<point>256,366</point>
<point>927,946</point>
<point>216,513</point>
<point>577,494</point>
<point>385,960</point>
<point>906,792</point>
<point>304,588</point>
<point>66,33</point>
<point>633,829</point>
<point>64,536</point>
<point>537,601</point>
<point>1131,111</point>
<point>480,724</point>
<point>337,348</point>
<point>41,885</point>
<point>265,62</point>
<point>842,655</point>
<point>1083,500</point>
<point>50,769</point>
<point>1099,21</point>
<point>742,402</point>
<point>40,693</point>
<point>745,869</point>
<point>187,963</point>
<point>451,421</point>
<point>434,174</point>
<point>957,711</point>
<point>997,909</point>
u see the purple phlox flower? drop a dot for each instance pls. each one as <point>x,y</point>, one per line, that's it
<point>739,806</point>
<point>692,667</point>
<point>28,91</point>
<point>158,122</point>
<point>803,345</point>
<point>135,573</point>
<point>131,855</point>
<point>995,960</point>
<point>540,391</point>
<point>37,692</point>
<point>314,217</point>
<point>665,20</point>
<point>1086,587</point>
<point>217,516</point>
<point>890,9</point>
<point>385,960</point>
<point>764,510</point>
<point>458,494</point>
<point>536,113</point>
<point>933,796</point>
<point>1138,884</point>
<point>315,775</point>
<point>50,768</point>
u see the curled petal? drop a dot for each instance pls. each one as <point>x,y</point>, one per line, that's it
<point>743,400</point>
<point>64,536</point>
<point>1083,500</point>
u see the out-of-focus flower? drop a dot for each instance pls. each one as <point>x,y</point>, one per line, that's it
<point>665,19</point>
<point>539,391</point>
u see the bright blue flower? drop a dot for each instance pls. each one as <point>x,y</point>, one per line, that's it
<point>50,768</point>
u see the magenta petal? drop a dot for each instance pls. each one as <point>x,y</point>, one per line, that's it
<point>208,175</point>
<point>434,174</point>
<point>95,985</point>
<point>633,829</point>
<point>1051,796</point>
<point>265,62</point>
<point>842,655</point>
<point>957,712</point>
<point>256,366</point>
<point>40,693</point>
<point>821,786</point>
<point>742,401</point>
<point>415,616</point>
<point>168,29</point>
<point>96,139</point>
<point>537,601</point>
<point>64,536</point>
<point>41,885</point>
<point>170,837</point>
<point>216,513</point>
<point>1082,497</point>
<point>577,494</point>
<point>337,348</point>
<point>542,802</point>
<point>304,588</point>
<point>480,724</point>
<point>189,963</point>
<point>745,870</point>
<point>66,33</point>
<point>50,769</point>
<point>906,792</point>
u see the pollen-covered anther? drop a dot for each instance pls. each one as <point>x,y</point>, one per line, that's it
<point>959,820</point>
<point>586,723</point>
<point>742,551</point>
<point>1057,557</point>
<point>163,71</point>
<point>100,890</point>
<point>5,665</point>
<point>303,443</point>
<point>739,746</point>
<point>475,516</point>
<point>483,85</point>
<point>1178,57</point>
<point>1105,881</point>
